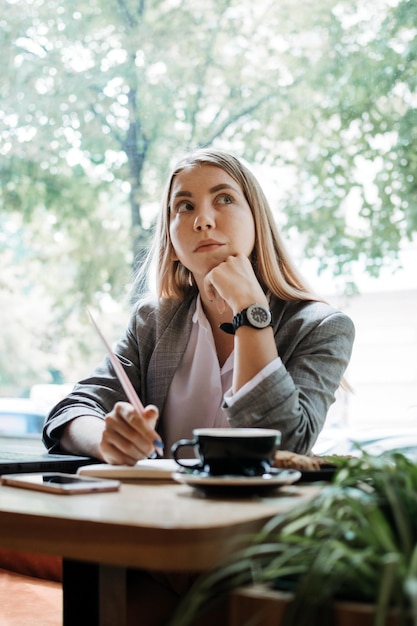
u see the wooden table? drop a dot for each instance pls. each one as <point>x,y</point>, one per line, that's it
<point>152,526</point>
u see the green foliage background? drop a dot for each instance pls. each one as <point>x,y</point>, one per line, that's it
<point>98,98</point>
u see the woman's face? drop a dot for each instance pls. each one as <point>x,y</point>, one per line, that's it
<point>210,219</point>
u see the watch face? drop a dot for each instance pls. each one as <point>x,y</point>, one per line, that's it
<point>258,316</point>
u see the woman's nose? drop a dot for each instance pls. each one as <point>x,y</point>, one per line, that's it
<point>203,220</point>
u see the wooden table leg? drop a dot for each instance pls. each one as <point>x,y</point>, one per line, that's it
<point>94,595</point>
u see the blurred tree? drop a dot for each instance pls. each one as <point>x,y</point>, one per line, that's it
<point>109,92</point>
<point>356,160</point>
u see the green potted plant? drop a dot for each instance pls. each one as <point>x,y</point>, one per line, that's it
<point>355,542</point>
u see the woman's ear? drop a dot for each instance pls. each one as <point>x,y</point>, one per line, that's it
<point>173,255</point>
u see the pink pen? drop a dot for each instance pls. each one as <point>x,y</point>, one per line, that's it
<point>131,394</point>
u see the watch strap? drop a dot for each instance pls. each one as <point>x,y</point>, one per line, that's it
<point>240,319</point>
<point>228,328</point>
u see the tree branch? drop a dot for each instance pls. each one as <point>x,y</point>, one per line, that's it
<point>235,117</point>
<point>131,20</point>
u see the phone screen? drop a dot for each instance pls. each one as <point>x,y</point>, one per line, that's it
<point>61,479</point>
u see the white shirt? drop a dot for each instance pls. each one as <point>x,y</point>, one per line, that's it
<point>200,386</point>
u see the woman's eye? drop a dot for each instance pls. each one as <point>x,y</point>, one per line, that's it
<point>225,198</point>
<point>184,207</point>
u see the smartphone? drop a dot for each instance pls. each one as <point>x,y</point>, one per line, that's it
<point>57,482</point>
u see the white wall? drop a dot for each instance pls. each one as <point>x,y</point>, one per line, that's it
<point>383,368</point>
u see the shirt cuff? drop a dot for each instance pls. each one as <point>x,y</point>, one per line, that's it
<point>230,399</point>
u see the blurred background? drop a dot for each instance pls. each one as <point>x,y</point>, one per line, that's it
<point>98,98</point>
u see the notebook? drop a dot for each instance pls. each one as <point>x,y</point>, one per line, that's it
<point>19,459</point>
<point>147,469</point>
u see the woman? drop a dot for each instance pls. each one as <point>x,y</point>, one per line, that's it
<point>201,353</point>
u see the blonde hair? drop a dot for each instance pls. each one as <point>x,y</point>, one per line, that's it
<point>272,264</point>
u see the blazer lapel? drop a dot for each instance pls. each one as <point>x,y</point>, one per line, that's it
<point>169,349</point>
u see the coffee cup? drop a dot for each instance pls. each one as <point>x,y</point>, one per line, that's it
<point>231,451</point>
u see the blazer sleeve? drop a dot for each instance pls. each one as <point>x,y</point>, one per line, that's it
<point>97,394</point>
<point>315,345</point>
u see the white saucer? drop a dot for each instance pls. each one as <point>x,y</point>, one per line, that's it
<point>237,485</point>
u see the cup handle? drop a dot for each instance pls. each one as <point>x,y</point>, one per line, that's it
<point>182,443</point>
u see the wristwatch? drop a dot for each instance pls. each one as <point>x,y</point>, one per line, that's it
<point>255,315</point>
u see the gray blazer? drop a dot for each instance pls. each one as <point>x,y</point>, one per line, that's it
<point>314,342</point>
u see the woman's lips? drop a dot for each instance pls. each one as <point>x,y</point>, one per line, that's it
<point>206,246</point>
